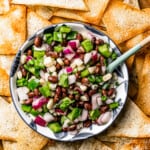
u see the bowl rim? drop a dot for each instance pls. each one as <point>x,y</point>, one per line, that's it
<point>16,63</point>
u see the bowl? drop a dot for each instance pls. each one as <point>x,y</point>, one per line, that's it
<point>122,88</point>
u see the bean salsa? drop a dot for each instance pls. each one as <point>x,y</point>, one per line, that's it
<point>62,81</point>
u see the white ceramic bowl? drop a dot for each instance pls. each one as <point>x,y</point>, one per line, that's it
<point>84,133</point>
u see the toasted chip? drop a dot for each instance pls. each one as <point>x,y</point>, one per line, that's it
<point>134,3</point>
<point>35,22</point>
<point>4,6</point>
<point>69,4</point>
<point>142,144</point>
<point>14,129</point>
<point>94,15</point>
<point>144,3</point>
<point>131,123</point>
<point>124,22</point>
<point>93,144</point>
<point>43,11</point>
<point>1,146</point>
<point>55,20</point>
<point>5,64</point>
<point>135,40</point>
<point>144,87</point>
<point>63,146</point>
<point>12,30</point>
<point>8,123</point>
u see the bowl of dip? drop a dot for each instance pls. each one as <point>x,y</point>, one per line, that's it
<point>60,85</point>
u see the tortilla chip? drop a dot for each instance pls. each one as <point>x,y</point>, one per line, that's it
<point>43,11</point>
<point>55,20</point>
<point>134,3</point>
<point>12,29</point>
<point>4,6</point>
<point>14,129</point>
<point>144,87</point>
<point>124,22</point>
<point>131,123</point>
<point>5,65</point>
<point>63,145</point>
<point>93,144</point>
<point>94,15</point>
<point>8,123</point>
<point>1,146</point>
<point>69,4</point>
<point>35,22</point>
<point>143,144</point>
<point>144,3</point>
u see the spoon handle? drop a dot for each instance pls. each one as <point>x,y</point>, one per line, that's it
<point>126,55</point>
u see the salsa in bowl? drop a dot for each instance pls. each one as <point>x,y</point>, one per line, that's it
<point>60,84</point>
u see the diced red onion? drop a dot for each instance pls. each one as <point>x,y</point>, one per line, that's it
<point>48,117</point>
<point>68,50</point>
<point>99,101</point>
<point>87,57</point>
<point>38,103</point>
<point>84,115</point>
<point>104,118</point>
<point>70,56</point>
<point>95,56</point>
<point>69,69</point>
<point>28,58</point>
<point>22,93</point>
<point>42,74</point>
<point>72,79</point>
<point>74,44</point>
<point>109,101</point>
<point>94,101</point>
<point>40,121</point>
<point>59,111</point>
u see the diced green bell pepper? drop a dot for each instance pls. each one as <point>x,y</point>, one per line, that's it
<point>26,108</point>
<point>64,80</point>
<point>113,105</point>
<point>32,70</point>
<point>30,62</point>
<point>45,90</point>
<point>85,73</point>
<point>55,127</point>
<point>114,56</point>
<point>98,79</point>
<point>57,36</point>
<point>87,45</point>
<point>34,112</point>
<point>65,29</point>
<point>22,82</point>
<point>104,50</point>
<point>63,118</point>
<point>33,83</point>
<point>94,114</point>
<point>91,78</point>
<point>48,38</point>
<point>39,63</point>
<point>38,54</point>
<point>74,114</point>
<point>104,98</point>
<point>66,103</point>
<point>71,35</point>
<point>58,48</point>
<point>45,109</point>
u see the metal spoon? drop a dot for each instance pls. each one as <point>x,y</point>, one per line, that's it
<point>126,55</point>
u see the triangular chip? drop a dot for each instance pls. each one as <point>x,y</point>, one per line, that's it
<point>63,146</point>
<point>94,15</point>
<point>144,87</point>
<point>93,144</point>
<point>69,4</point>
<point>43,11</point>
<point>35,22</point>
<point>5,64</point>
<point>4,6</point>
<point>12,29</point>
<point>131,123</point>
<point>8,123</point>
<point>124,22</point>
<point>13,128</point>
<point>134,3</point>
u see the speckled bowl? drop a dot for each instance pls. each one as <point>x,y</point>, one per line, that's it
<point>84,133</point>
